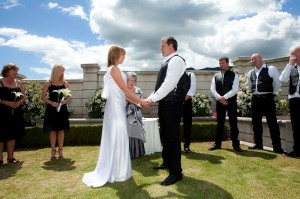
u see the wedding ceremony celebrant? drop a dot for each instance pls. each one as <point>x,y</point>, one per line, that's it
<point>12,125</point>
<point>56,119</point>
<point>136,131</point>
<point>114,164</point>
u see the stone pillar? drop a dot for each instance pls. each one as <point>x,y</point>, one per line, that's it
<point>239,62</point>
<point>90,83</point>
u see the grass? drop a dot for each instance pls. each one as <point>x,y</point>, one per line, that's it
<point>207,174</point>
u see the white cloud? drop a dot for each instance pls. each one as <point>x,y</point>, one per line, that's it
<point>54,50</point>
<point>205,29</point>
<point>76,10</point>
<point>9,4</point>
<point>40,70</point>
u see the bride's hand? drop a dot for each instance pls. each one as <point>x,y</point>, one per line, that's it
<point>146,103</point>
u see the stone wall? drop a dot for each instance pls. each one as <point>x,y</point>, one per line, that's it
<point>83,89</point>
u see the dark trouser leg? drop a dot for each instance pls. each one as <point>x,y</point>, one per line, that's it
<point>169,117</point>
<point>232,114</point>
<point>187,122</point>
<point>270,111</point>
<point>256,115</point>
<point>221,114</point>
<point>294,105</point>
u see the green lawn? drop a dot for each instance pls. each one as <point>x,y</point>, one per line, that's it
<point>217,174</point>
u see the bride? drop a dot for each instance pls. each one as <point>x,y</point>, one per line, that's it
<point>114,158</point>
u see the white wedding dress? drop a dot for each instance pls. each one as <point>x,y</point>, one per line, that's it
<point>114,157</point>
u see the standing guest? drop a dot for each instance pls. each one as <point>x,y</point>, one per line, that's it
<point>224,87</point>
<point>188,111</point>
<point>264,84</point>
<point>114,159</point>
<point>12,125</point>
<point>136,131</point>
<point>56,120</point>
<point>170,92</point>
<point>291,73</point>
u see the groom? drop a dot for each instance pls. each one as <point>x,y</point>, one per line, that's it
<point>170,93</point>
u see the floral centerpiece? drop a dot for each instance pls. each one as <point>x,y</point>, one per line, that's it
<point>65,92</point>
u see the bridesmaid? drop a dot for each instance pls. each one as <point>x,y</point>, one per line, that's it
<point>56,121</point>
<point>12,125</point>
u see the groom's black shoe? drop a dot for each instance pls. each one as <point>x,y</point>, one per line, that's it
<point>214,147</point>
<point>171,179</point>
<point>162,166</point>
<point>256,146</point>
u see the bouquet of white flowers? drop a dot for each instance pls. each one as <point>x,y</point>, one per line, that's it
<point>17,94</point>
<point>66,92</point>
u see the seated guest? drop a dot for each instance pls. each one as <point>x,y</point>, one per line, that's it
<point>136,131</point>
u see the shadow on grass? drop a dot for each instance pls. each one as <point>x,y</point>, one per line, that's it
<point>9,170</point>
<point>145,164</point>
<point>214,159</point>
<point>255,153</point>
<point>187,188</point>
<point>65,164</point>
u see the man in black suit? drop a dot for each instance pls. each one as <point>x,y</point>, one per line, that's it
<point>187,114</point>
<point>291,74</point>
<point>170,92</point>
<point>224,88</point>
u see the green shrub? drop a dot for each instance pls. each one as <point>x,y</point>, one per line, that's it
<point>33,106</point>
<point>78,135</point>
<point>91,135</point>
<point>201,105</point>
<point>95,106</point>
<point>203,131</point>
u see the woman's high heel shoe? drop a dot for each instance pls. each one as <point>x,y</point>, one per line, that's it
<point>12,160</point>
<point>60,154</point>
<point>53,154</point>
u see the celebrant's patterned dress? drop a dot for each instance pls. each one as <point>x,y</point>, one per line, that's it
<point>114,160</point>
<point>136,132</point>
<point>12,125</point>
<point>54,120</point>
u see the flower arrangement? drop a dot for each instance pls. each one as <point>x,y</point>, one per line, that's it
<point>96,104</point>
<point>244,98</point>
<point>201,105</point>
<point>65,92</point>
<point>17,95</point>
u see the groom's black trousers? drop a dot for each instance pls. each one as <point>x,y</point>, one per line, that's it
<point>169,114</point>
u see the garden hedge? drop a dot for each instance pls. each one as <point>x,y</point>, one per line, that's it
<point>91,134</point>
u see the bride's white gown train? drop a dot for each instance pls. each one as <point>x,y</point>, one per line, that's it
<point>114,159</point>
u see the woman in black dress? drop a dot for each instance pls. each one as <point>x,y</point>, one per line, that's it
<point>56,119</point>
<point>12,125</point>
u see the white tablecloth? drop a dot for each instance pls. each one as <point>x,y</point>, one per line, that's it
<point>152,143</point>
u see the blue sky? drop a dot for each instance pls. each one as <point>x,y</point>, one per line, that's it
<point>35,35</point>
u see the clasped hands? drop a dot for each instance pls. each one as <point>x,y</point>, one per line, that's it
<point>223,101</point>
<point>12,104</point>
<point>146,102</point>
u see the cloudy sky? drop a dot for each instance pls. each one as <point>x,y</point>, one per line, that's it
<point>35,35</point>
